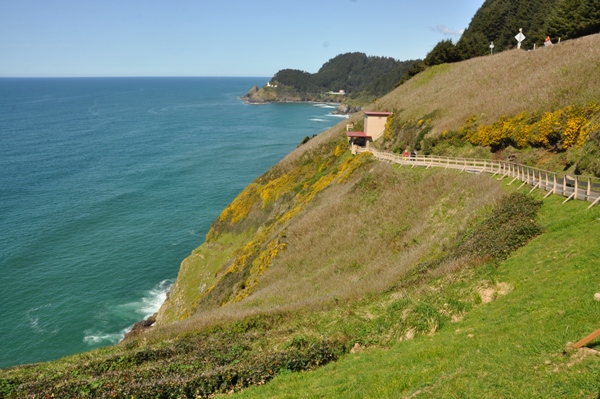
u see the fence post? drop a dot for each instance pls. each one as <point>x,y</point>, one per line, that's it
<point>589,189</point>
<point>526,174</point>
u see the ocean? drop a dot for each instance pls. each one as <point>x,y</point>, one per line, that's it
<point>107,184</point>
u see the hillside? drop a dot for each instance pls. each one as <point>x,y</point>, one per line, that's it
<point>508,89</point>
<point>407,282</point>
<point>497,22</point>
<point>510,345</point>
<point>354,74</point>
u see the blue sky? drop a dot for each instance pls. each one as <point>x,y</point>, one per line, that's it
<point>57,38</point>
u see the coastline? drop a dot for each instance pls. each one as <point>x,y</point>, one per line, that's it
<point>272,95</point>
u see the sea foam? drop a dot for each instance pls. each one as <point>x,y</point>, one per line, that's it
<point>144,308</point>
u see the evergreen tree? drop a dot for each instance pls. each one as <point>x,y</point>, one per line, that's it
<point>351,72</point>
<point>293,77</point>
<point>387,82</point>
<point>499,21</point>
<point>574,18</point>
<point>444,52</point>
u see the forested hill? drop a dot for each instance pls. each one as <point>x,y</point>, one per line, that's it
<point>499,21</point>
<point>353,73</point>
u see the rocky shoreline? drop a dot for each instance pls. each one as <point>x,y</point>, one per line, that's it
<point>271,95</point>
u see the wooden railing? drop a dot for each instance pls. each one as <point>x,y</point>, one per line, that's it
<point>585,188</point>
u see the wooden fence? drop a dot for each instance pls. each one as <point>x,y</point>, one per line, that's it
<point>585,188</point>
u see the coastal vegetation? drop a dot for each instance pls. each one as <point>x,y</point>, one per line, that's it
<point>334,275</point>
<point>537,107</point>
<point>355,74</point>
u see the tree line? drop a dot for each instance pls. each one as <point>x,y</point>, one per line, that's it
<point>352,72</point>
<point>499,21</point>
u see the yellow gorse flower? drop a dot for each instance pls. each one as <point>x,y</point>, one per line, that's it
<point>563,128</point>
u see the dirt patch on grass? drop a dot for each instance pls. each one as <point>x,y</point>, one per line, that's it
<point>488,294</point>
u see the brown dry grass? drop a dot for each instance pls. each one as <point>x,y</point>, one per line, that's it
<point>362,237</point>
<point>364,241</point>
<point>504,84</point>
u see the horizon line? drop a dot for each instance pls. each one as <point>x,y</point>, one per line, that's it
<point>131,76</point>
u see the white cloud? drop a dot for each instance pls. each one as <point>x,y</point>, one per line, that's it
<point>444,30</point>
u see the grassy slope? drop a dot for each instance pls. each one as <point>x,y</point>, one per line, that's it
<point>355,246</point>
<point>348,244</point>
<point>485,86</point>
<point>504,84</point>
<point>511,347</point>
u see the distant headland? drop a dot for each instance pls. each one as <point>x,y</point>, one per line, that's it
<point>270,94</point>
<point>350,80</point>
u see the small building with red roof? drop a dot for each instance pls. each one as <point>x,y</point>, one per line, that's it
<point>374,128</point>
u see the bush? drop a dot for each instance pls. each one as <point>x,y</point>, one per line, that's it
<point>510,226</point>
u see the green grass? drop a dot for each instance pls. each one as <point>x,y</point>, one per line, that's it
<point>463,327</point>
<point>426,76</point>
<point>511,347</point>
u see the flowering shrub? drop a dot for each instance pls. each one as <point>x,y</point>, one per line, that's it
<point>339,150</point>
<point>389,127</point>
<point>259,266</point>
<point>240,207</point>
<point>560,129</point>
<point>401,134</point>
<point>294,190</point>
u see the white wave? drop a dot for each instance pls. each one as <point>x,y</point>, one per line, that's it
<point>93,337</point>
<point>142,309</point>
<point>322,105</point>
<point>339,116</point>
<point>153,299</point>
<point>318,120</point>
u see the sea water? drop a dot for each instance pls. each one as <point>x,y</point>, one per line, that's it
<point>107,184</point>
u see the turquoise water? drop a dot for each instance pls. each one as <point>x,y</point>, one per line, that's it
<point>107,184</point>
